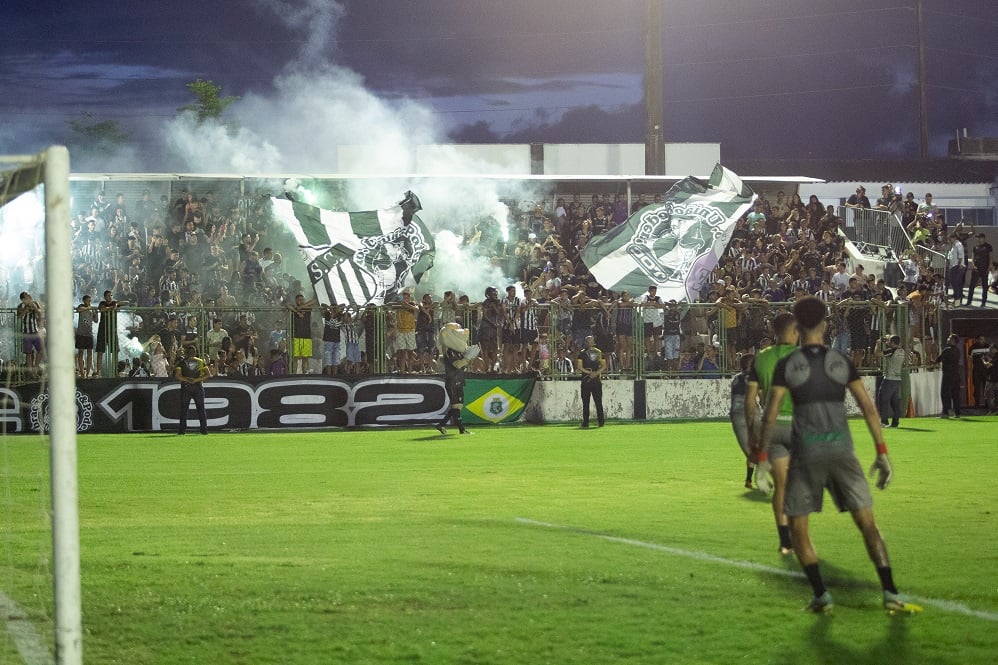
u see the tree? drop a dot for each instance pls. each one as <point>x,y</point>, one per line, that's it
<point>209,104</point>
<point>95,138</point>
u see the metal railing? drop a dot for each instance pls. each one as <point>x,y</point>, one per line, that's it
<point>710,343</point>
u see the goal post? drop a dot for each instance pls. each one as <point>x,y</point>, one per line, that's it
<point>62,410</point>
<point>51,169</point>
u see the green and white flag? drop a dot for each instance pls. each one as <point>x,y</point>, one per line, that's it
<point>496,400</point>
<point>674,244</point>
<point>359,258</point>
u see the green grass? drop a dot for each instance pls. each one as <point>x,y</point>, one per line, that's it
<point>401,546</point>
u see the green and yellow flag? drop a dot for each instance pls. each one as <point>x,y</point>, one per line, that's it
<point>496,400</point>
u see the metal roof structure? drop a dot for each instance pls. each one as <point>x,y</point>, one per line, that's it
<point>948,170</point>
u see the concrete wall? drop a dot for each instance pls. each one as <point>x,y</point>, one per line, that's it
<point>594,158</point>
<point>559,401</point>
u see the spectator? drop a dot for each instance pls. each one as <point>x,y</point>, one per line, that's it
<point>301,334</point>
<point>490,328</point>
<point>982,263</point>
<point>859,199</point>
<point>426,342</point>
<point>244,335</point>
<point>623,310</point>
<point>839,279</point>
<point>956,259</point>
<point>332,325</point>
<point>671,335</point>
<point>405,337</point>
<point>85,316</point>
<point>927,208</point>
<point>652,317</point>
<point>278,364</point>
<point>512,351</point>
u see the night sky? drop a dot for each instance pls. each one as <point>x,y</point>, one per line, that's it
<point>765,78</point>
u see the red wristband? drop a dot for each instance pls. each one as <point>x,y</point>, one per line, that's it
<point>881,448</point>
<point>763,456</point>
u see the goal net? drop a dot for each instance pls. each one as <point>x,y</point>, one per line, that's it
<point>40,593</point>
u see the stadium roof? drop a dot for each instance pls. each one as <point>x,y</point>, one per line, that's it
<point>954,171</point>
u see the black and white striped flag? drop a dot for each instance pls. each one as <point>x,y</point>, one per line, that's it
<point>359,258</point>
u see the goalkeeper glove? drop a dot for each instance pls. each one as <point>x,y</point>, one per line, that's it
<point>472,352</point>
<point>762,479</point>
<point>882,467</point>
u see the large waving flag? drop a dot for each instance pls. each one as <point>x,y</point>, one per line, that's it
<point>359,258</point>
<point>674,244</point>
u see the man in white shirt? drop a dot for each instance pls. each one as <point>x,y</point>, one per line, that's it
<point>840,279</point>
<point>956,258</point>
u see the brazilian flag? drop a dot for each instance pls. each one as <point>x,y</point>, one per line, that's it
<point>495,400</point>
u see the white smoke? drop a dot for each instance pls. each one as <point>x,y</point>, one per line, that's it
<point>320,119</point>
<point>22,227</point>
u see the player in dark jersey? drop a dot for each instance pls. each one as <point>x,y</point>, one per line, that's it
<point>777,457</point>
<point>821,454</point>
<point>739,384</point>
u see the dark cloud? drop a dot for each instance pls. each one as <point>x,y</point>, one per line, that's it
<point>834,78</point>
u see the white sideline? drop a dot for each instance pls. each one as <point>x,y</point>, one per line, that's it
<point>945,605</point>
<point>27,640</point>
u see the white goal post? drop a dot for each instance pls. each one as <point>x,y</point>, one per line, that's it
<point>51,168</point>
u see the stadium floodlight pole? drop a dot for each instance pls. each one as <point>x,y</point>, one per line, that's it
<point>62,411</point>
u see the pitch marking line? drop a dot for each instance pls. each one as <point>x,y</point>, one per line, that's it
<point>27,640</point>
<point>946,605</point>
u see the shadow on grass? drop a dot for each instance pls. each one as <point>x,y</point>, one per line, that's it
<point>893,648</point>
<point>756,496</point>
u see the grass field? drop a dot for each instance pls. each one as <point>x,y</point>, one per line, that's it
<point>632,544</point>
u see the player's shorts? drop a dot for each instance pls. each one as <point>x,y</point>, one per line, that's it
<point>779,440</point>
<point>670,347</point>
<point>330,354</point>
<point>840,474</point>
<point>301,347</point>
<point>85,342</point>
<point>740,427</point>
<point>405,341</point>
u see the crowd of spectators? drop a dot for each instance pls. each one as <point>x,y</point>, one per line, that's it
<point>195,270</point>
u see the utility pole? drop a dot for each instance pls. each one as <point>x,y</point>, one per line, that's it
<point>654,141</point>
<point>923,120</point>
